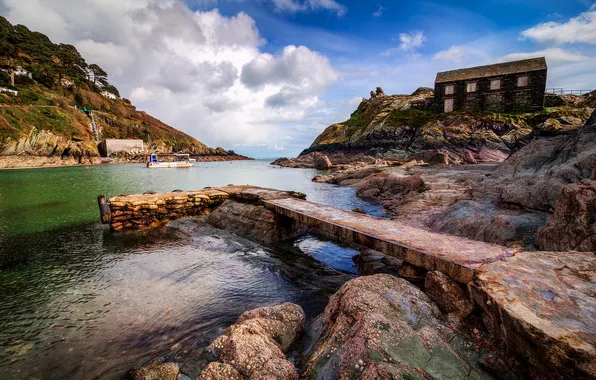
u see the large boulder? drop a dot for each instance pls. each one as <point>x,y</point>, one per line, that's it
<point>253,347</point>
<point>573,225</point>
<point>322,162</point>
<point>448,295</point>
<point>382,327</point>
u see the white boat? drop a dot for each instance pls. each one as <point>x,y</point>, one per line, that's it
<point>180,161</point>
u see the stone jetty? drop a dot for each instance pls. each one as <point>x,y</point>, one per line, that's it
<point>150,210</point>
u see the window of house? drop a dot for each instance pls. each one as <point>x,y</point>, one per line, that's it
<point>522,81</point>
<point>495,84</point>
<point>471,87</point>
<point>449,89</point>
<point>448,105</point>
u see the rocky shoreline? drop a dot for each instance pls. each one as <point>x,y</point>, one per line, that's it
<point>31,161</point>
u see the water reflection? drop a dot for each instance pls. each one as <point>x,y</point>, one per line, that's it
<point>79,302</point>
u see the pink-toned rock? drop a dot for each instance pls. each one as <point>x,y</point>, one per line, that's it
<point>542,306</point>
<point>382,327</point>
<point>573,225</point>
<point>322,162</point>
<point>254,346</point>
<point>219,371</point>
<point>448,295</point>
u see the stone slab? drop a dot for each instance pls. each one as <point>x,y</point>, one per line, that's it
<point>543,305</point>
<point>453,255</point>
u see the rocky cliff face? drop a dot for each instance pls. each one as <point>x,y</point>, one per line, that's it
<point>401,126</point>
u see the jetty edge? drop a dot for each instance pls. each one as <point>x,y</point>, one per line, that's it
<point>539,305</point>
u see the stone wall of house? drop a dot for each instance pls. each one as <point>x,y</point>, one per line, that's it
<point>508,98</point>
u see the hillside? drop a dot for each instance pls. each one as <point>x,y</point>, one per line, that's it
<point>55,84</point>
<point>407,127</point>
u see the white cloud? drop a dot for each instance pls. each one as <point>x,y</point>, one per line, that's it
<point>201,72</point>
<point>295,6</point>
<point>409,43</point>
<point>276,148</point>
<point>580,29</point>
<point>553,55</point>
<point>453,54</point>
<point>379,12</point>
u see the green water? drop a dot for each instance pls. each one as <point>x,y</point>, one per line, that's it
<point>78,302</point>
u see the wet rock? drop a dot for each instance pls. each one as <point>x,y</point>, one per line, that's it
<point>254,346</point>
<point>573,225</point>
<point>322,162</point>
<point>255,222</point>
<point>448,295</point>
<point>166,371</point>
<point>542,306</point>
<point>388,186</point>
<point>382,327</point>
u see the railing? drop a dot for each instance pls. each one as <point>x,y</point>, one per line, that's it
<point>562,91</point>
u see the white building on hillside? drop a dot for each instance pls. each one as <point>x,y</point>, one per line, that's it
<point>109,95</point>
<point>22,72</point>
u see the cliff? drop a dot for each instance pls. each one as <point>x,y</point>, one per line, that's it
<point>407,127</point>
<point>55,86</point>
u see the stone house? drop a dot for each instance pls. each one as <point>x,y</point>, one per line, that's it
<point>509,86</point>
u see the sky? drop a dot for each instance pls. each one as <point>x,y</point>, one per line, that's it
<point>265,77</point>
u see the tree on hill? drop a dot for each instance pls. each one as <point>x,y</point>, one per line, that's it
<point>98,74</point>
<point>70,63</point>
<point>7,54</point>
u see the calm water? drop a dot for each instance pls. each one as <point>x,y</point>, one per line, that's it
<point>79,302</point>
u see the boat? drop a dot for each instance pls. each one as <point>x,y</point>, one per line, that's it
<point>180,161</point>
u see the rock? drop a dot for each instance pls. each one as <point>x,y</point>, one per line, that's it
<point>372,262</point>
<point>322,162</point>
<point>573,225</point>
<point>166,371</point>
<point>432,157</point>
<point>412,273</point>
<point>283,161</point>
<point>542,306</point>
<point>389,186</point>
<point>255,222</point>
<point>380,92</point>
<point>219,371</point>
<point>382,327</point>
<point>447,294</point>
<point>254,346</point>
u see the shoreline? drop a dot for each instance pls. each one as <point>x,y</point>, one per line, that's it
<point>14,162</point>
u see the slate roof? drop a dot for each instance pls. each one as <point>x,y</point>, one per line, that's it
<point>523,66</point>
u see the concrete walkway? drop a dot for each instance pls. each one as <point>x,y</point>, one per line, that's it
<point>453,255</point>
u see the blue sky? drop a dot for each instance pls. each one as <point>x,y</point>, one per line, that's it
<point>265,77</point>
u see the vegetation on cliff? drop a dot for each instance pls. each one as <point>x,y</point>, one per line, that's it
<point>52,80</point>
<point>399,126</point>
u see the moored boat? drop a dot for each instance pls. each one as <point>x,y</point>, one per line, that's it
<point>180,161</point>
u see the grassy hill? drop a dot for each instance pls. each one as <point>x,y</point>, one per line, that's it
<point>44,119</point>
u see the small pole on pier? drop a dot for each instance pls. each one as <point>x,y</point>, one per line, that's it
<point>104,209</point>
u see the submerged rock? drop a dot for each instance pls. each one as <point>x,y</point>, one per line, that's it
<point>382,327</point>
<point>253,347</point>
